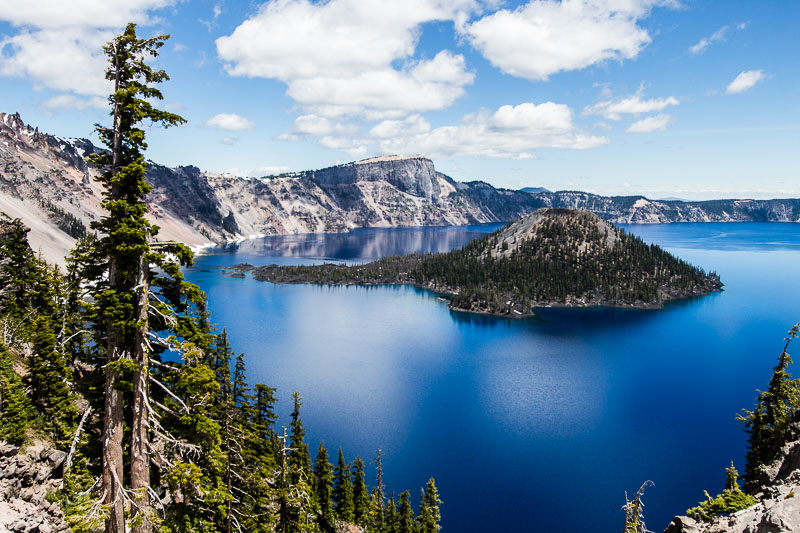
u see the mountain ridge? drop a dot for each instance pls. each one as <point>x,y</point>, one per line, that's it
<point>45,181</point>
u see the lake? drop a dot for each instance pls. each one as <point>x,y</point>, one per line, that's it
<point>539,424</point>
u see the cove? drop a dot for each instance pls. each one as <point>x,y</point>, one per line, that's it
<point>527,425</point>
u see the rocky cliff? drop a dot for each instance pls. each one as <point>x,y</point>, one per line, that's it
<point>45,181</point>
<point>778,492</point>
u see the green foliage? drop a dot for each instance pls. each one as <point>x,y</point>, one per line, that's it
<point>429,514</point>
<point>343,490</point>
<point>731,499</point>
<point>566,259</point>
<point>16,409</point>
<point>775,408</point>
<point>323,487</point>
<point>360,493</point>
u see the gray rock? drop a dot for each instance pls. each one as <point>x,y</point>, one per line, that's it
<point>56,458</point>
<point>8,450</point>
<point>682,524</point>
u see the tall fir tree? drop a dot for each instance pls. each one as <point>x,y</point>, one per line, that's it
<point>405,514</point>
<point>323,488</point>
<point>124,286</point>
<point>299,455</point>
<point>360,493</point>
<point>429,514</point>
<point>343,490</point>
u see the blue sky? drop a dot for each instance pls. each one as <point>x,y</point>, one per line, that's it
<point>666,98</point>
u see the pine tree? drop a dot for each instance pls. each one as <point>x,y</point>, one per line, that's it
<point>299,455</point>
<point>123,289</point>
<point>343,490</point>
<point>405,514</point>
<point>48,372</point>
<point>323,485</point>
<point>429,514</point>
<point>16,410</point>
<point>360,493</point>
<point>376,518</point>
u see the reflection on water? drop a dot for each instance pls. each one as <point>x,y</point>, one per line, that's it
<point>361,244</point>
<point>518,415</point>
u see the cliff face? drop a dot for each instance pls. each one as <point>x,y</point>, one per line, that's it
<point>45,181</point>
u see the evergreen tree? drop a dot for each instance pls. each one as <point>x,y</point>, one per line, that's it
<point>390,520</point>
<point>343,490</point>
<point>124,289</point>
<point>16,410</point>
<point>405,514</point>
<point>775,408</point>
<point>360,493</point>
<point>48,375</point>
<point>299,455</point>
<point>429,514</point>
<point>323,486</point>
<point>376,519</point>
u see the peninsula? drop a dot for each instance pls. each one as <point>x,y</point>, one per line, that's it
<point>549,258</point>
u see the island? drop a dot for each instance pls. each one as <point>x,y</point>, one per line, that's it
<point>549,258</point>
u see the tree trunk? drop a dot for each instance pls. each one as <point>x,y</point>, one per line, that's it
<point>112,431</point>
<point>140,437</point>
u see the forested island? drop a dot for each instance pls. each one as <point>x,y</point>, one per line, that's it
<point>552,257</point>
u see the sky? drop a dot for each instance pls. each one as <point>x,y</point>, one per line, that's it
<point>692,99</point>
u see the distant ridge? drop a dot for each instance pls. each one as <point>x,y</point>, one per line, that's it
<point>45,181</point>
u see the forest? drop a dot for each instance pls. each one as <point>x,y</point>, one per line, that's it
<point>114,359</point>
<point>566,258</point>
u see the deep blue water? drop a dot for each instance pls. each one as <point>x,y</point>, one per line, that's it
<point>527,425</point>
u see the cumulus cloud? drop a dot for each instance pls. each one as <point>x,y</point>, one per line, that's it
<point>544,37</point>
<point>69,101</point>
<point>59,43</point>
<point>230,122</point>
<point>510,131</point>
<point>745,81</point>
<point>648,124</point>
<point>229,140</point>
<point>350,56</point>
<point>631,105</point>
<point>269,170</point>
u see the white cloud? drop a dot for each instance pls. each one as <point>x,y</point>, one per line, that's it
<point>719,35</point>
<point>68,101</point>
<point>648,124</point>
<point>59,45</point>
<point>544,37</point>
<point>350,56</point>
<point>745,81</point>
<point>511,131</point>
<point>412,125</point>
<point>230,122</point>
<point>312,125</point>
<point>632,105</point>
<point>229,140</point>
<point>705,42</point>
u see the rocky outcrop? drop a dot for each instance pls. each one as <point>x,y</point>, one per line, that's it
<point>46,182</point>
<point>778,492</point>
<point>26,478</point>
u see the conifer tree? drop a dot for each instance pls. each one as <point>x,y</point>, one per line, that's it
<point>299,455</point>
<point>16,410</point>
<point>405,514</point>
<point>376,516</point>
<point>429,514</point>
<point>390,516</point>
<point>360,493</point>
<point>323,485</point>
<point>343,490</point>
<point>125,285</point>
